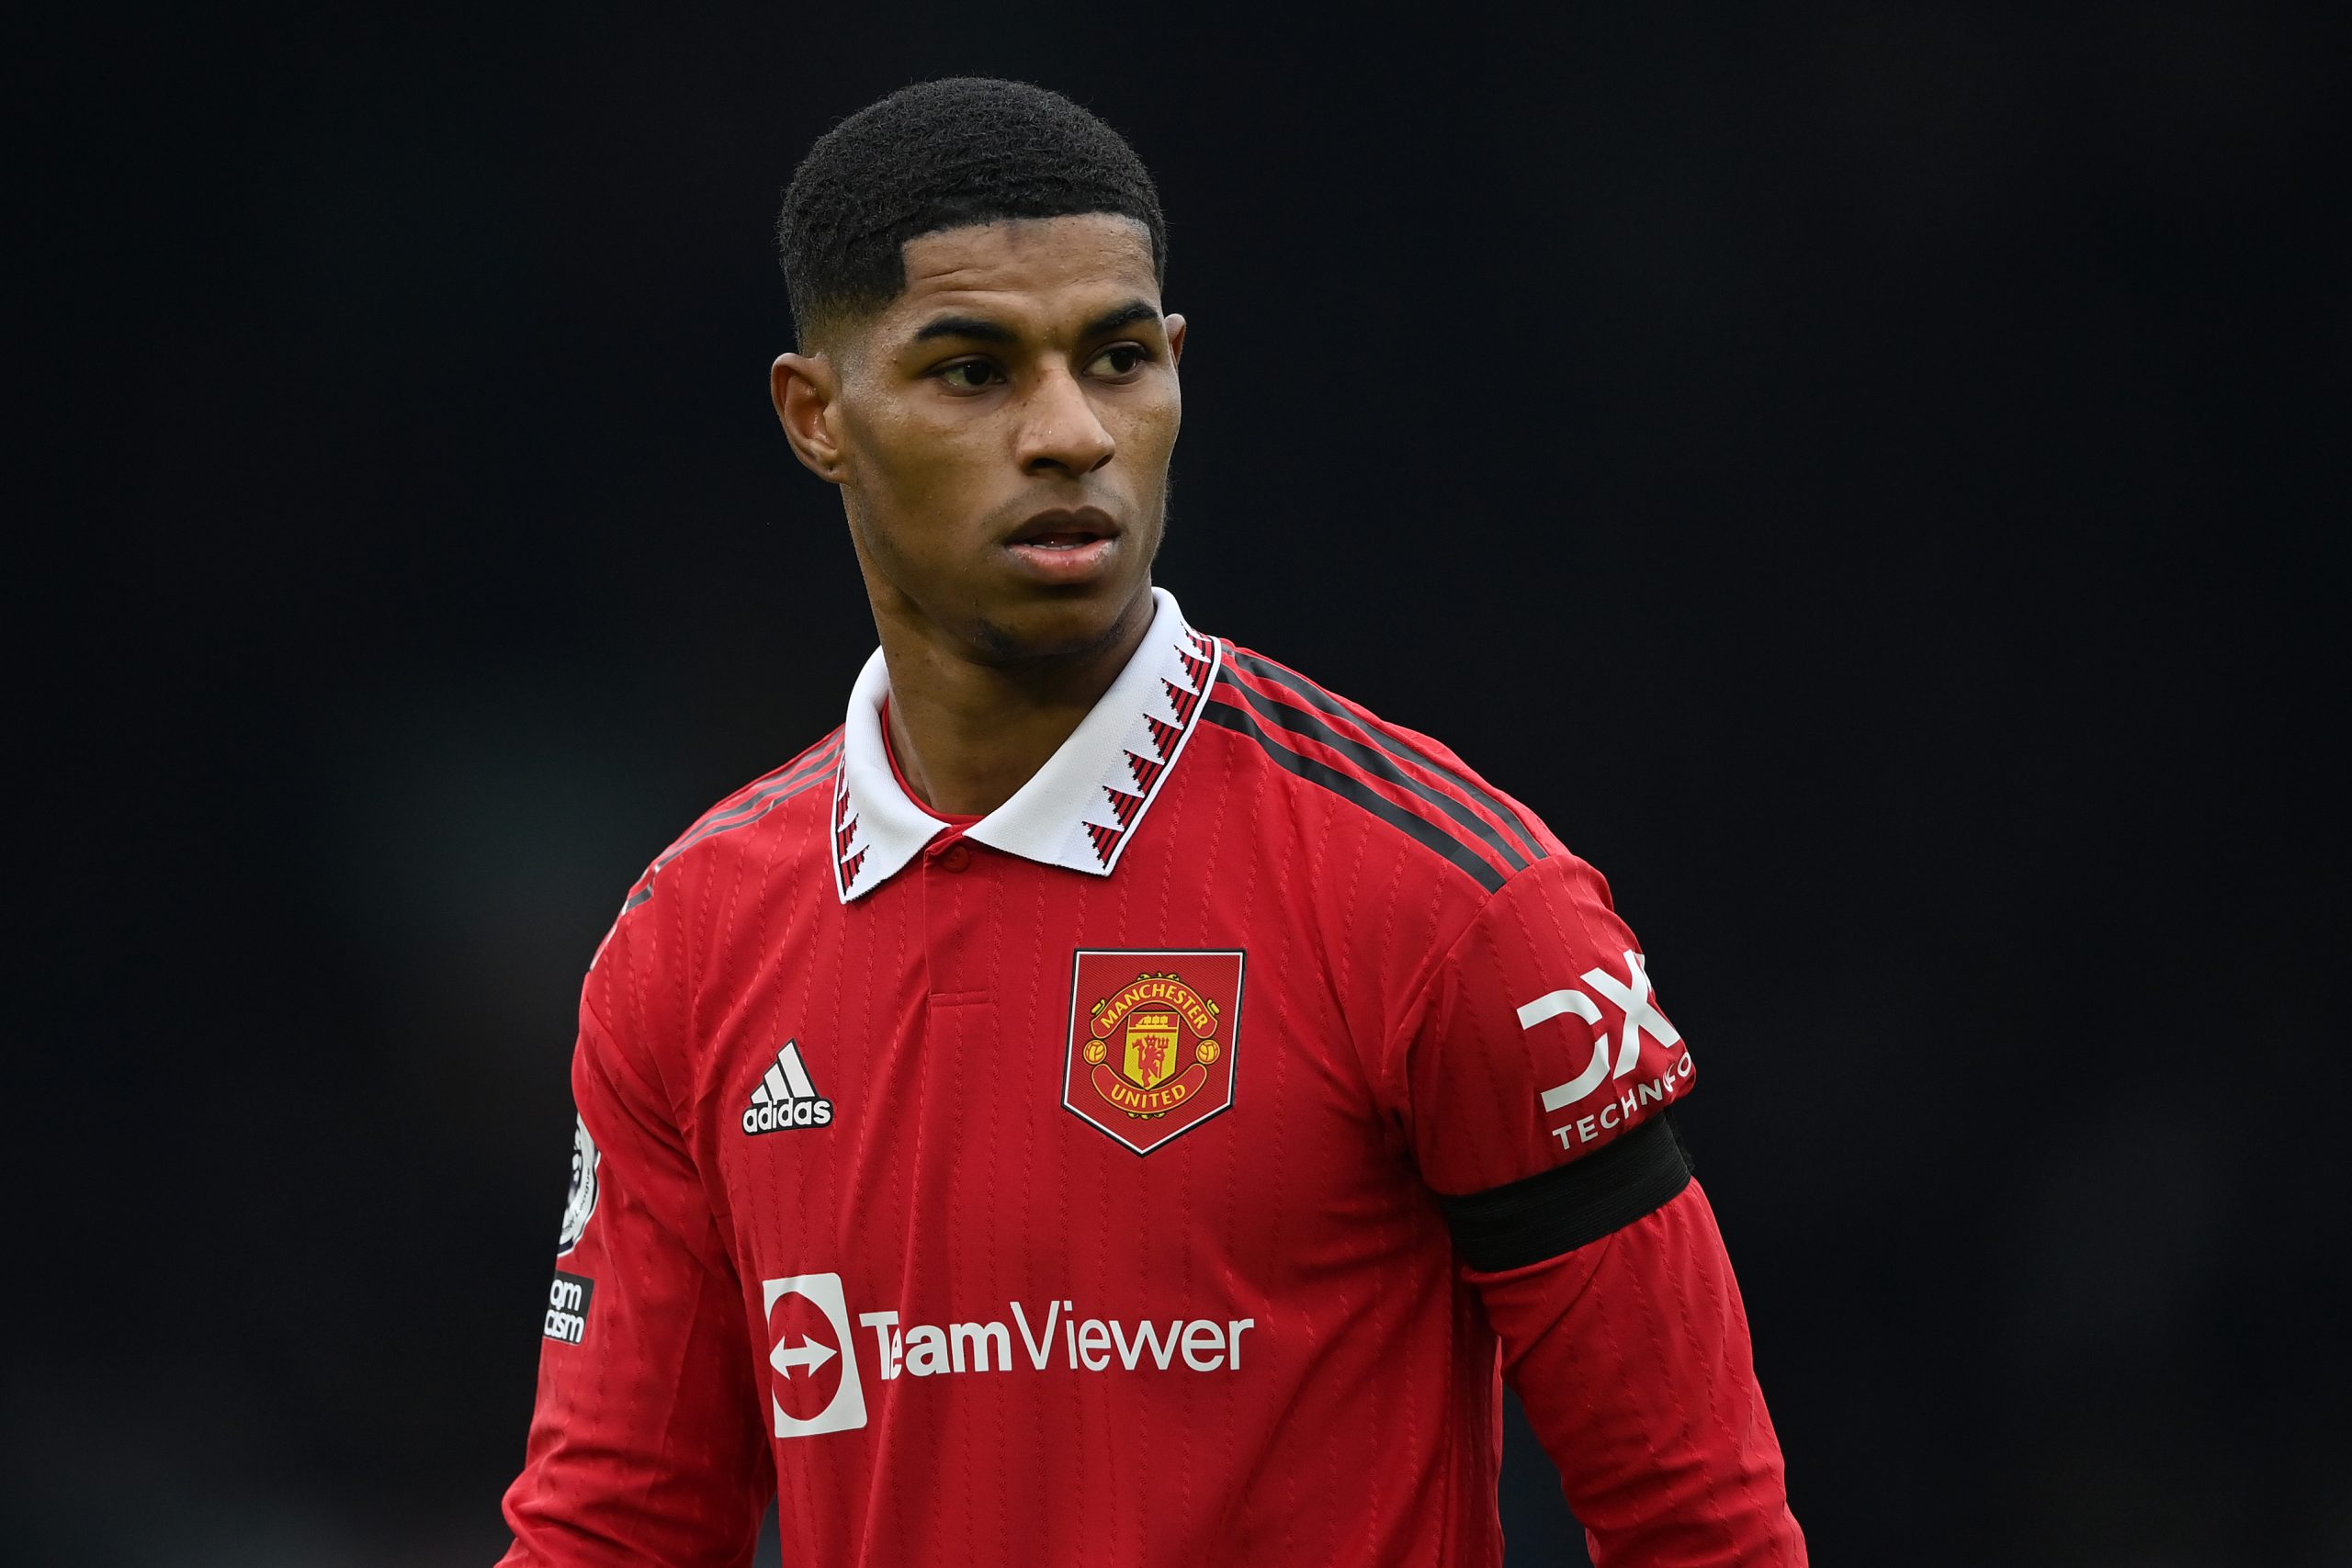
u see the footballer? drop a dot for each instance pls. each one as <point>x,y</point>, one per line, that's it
<point>1112,1101</point>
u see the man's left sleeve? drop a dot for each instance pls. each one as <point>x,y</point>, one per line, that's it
<point>1534,1083</point>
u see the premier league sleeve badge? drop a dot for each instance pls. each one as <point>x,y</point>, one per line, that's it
<point>581,1201</point>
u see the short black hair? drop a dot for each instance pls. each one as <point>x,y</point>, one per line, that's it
<point>939,155</point>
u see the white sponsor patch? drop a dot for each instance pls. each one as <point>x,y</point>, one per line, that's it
<point>846,1410</point>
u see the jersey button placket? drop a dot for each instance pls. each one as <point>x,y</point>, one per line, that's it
<point>959,919</point>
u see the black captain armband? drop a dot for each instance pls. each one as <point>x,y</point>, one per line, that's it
<point>1558,1211</point>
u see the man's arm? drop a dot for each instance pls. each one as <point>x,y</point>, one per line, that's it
<point>647,1445</point>
<point>1627,1342</point>
<point>1535,1082</point>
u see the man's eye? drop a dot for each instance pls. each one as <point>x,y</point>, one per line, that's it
<point>1123,359</point>
<point>970,375</point>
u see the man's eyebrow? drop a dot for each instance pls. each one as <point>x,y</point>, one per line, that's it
<point>1125,315</point>
<point>975,327</point>
<point>979,329</point>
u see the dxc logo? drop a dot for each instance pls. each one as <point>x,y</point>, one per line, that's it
<point>1630,997</point>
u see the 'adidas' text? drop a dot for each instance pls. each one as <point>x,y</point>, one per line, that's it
<point>786,1097</point>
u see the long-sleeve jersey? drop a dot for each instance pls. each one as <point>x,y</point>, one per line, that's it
<point>1166,1168</point>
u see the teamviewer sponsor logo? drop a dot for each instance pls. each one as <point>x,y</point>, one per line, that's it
<point>809,1349</point>
<point>927,1350</point>
<point>809,1319</point>
<point>786,1097</point>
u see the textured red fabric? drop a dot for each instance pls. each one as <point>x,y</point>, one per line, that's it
<point>977,1312</point>
<point>646,1444</point>
<point>1632,1357</point>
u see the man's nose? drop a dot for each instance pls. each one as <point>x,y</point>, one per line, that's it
<point>1062,430</point>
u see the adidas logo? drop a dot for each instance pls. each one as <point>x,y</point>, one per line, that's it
<point>785,1098</point>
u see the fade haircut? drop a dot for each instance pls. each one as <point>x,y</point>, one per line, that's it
<point>939,155</point>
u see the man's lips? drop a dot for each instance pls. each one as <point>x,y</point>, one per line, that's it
<point>1064,546</point>
<point>1065,529</point>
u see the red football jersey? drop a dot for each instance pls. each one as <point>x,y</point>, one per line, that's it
<point>1138,1174</point>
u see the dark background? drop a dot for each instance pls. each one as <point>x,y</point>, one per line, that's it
<point>1861,472</point>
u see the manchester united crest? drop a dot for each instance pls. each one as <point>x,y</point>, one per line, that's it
<point>1152,1039</point>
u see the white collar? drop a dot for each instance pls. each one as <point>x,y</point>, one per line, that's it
<point>1077,811</point>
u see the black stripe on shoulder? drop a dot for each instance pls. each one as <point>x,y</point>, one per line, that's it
<point>801,774</point>
<point>1298,721</point>
<point>817,761</point>
<point>1347,787</point>
<point>1266,669</point>
<point>1572,1206</point>
<point>755,802</point>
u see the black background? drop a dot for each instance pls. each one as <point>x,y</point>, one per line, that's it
<point>1863,472</point>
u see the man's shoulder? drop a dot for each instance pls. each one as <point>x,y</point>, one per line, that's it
<point>777,817</point>
<point>1337,755</point>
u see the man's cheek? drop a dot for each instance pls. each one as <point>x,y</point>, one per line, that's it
<point>1151,433</point>
<point>920,490</point>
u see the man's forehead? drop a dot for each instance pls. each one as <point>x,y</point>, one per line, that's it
<point>1026,264</point>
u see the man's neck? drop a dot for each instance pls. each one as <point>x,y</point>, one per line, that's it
<point>967,736</point>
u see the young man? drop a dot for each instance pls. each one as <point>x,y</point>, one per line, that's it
<point>1112,1101</point>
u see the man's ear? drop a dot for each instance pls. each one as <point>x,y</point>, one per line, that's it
<point>804,387</point>
<point>1175,328</point>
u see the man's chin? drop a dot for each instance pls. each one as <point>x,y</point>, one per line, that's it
<point>1072,627</point>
